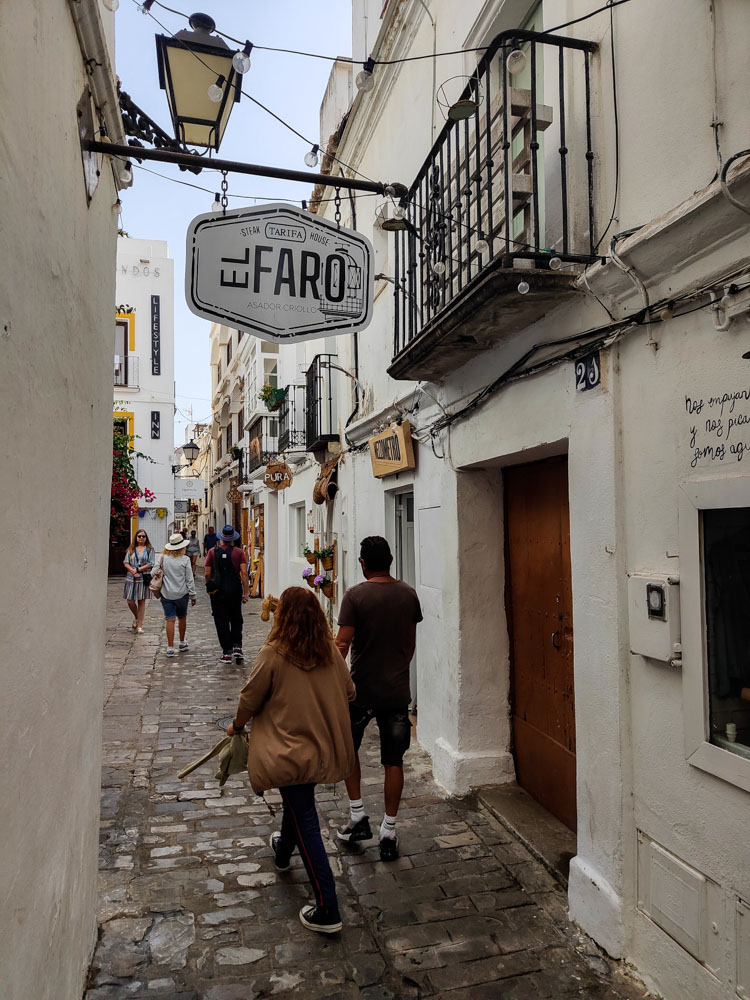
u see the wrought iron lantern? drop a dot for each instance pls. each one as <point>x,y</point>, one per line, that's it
<point>190,451</point>
<point>196,70</point>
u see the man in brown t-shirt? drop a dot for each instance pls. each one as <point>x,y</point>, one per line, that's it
<point>378,619</point>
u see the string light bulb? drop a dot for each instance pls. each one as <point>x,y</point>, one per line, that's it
<point>215,92</point>
<point>439,267</point>
<point>482,246</point>
<point>241,60</point>
<point>523,287</point>
<point>125,174</point>
<point>216,207</point>
<point>111,4</point>
<point>365,81</point>
<point>311,156</point>
<point>516,62</point>
<point>555,263</point>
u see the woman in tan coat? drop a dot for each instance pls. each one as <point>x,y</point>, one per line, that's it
<point>297,697</point>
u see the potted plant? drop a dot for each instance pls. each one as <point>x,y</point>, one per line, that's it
<point>308,575</point>
<point>273,398</point>
<point>310,554</point>
<point>324,583</point>
<point>326,556</point>
<point>235,451</point>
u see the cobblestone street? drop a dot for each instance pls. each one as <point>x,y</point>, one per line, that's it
<point>191,908</point>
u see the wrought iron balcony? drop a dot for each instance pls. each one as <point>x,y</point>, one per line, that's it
<point>126,371</point>
<point>503,192</point>
<point>321,415</point>
<point>263,442</point>
<point>292,419</point>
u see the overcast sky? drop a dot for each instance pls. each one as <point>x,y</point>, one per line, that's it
<point>291,86</point>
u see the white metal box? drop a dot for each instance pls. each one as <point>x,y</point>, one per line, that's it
<point>654,616</point>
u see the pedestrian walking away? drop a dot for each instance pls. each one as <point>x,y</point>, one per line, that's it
<point>378,620</point>
<point>228,587</point>
<point>193,550</point>
<point>178,587</point>
<point>210,539</point>
<point>138,562</point>
<point>300,736</point>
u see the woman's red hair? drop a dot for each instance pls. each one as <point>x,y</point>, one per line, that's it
<point>300,629</point>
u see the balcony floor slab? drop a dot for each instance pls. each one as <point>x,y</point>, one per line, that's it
<point>486,312</point>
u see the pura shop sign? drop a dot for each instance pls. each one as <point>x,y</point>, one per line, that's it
<point>280,273</point>
<point>278,476</point>
<point>392,451</point>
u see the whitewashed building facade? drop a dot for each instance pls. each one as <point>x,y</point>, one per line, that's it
<point>563,324</point>
<point>143,374</point>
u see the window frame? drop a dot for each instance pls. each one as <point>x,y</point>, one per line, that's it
<point>695,496</point>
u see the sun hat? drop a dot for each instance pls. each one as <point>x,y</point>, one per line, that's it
<point>228,534</point>
<point>176,541</point>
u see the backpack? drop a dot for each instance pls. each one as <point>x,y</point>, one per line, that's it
<point>225,580</point>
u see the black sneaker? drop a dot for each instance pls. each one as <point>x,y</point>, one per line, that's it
<point>388,848</point>
<point>226,658</point>
<point>315,918</point>
<point>360,831</point>
<point>274,841</point>
<point>239,656</point>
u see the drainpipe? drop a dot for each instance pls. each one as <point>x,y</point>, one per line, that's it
<point>434,70</point>
<point>355,411</point>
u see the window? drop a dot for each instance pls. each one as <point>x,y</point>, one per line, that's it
<point>229,351</point>
<point>239,335</point>
<point>714,610</point>
<point>218,371</point>
<point>241,422</point>
<point>218,448</point>
<point>298,538</point>
<point>726,572</point>
<point>270,368</point>
<point>229,435</point>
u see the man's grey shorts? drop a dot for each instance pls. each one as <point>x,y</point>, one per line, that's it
<point>394,727</point>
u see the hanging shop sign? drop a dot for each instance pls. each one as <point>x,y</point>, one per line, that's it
<point>188,487</point>
<point>392,451</point>
<point>278,476</point>
<point>280,273</point>
<point>233,494</point>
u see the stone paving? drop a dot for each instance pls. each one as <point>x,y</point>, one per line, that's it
<point>191,909</point>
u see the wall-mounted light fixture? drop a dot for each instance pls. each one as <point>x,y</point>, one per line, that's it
<point>197,70</point>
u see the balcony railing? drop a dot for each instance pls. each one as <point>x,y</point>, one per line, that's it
<point>292,419</point>
<point>263,442</point>
<point>126,370</point>
<point>321,416</point>
<point>509,186</point>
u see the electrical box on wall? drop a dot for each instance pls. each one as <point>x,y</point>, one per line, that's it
<point>654,616</point>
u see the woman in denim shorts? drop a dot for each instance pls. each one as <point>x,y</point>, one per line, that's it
<point>178,587</point>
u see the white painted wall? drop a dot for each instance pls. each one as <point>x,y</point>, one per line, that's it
<point>628,446</point>
<point>57,297</point>
<point>144,269</point>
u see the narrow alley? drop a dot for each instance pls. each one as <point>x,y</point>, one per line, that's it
<point>190,907</point>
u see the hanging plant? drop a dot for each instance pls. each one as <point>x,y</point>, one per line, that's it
<point>273,398</point>
<point>310,554</point>
<point>326,557</point>
<point>308,575</point>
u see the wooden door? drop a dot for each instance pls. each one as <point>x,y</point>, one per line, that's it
<point>539,607</point>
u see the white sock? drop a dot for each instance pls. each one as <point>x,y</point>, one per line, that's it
<point>388,827</point>
<point>356,811</point>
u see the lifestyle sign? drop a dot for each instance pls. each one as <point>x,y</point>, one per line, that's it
<point>278,272</point>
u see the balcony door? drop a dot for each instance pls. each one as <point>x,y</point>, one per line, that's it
<point>122,331</point>
<point>539,609</point>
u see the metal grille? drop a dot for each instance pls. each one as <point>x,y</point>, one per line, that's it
<point>263,442</point>
<point>292,419</point>
<point>517,175</point>
<point>126,370</point>
<point>321,423</point>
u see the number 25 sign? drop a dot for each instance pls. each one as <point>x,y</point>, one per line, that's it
<point>588,372</point>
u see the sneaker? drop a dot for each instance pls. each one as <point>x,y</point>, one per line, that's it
<point>360,831</point>
<point>171,651</point>
<point>239,656</point>
<point>315,918</point>
<point>274,842</point>
<point>184,645</point>
<point>388,848</point>
<point>226,658</point>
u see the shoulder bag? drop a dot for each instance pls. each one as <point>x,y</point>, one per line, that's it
<point>157,579</point>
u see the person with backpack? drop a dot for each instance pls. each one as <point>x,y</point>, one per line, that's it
<point>228,587</point>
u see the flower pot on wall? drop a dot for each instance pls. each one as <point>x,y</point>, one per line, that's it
<point>327,562</point>
<point>310,581</point>
<point>310,556</point>
<point>327,589</point>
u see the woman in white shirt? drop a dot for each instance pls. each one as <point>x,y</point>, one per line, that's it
<point>178,586</point>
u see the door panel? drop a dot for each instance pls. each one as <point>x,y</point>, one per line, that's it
<point>539,606</point>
